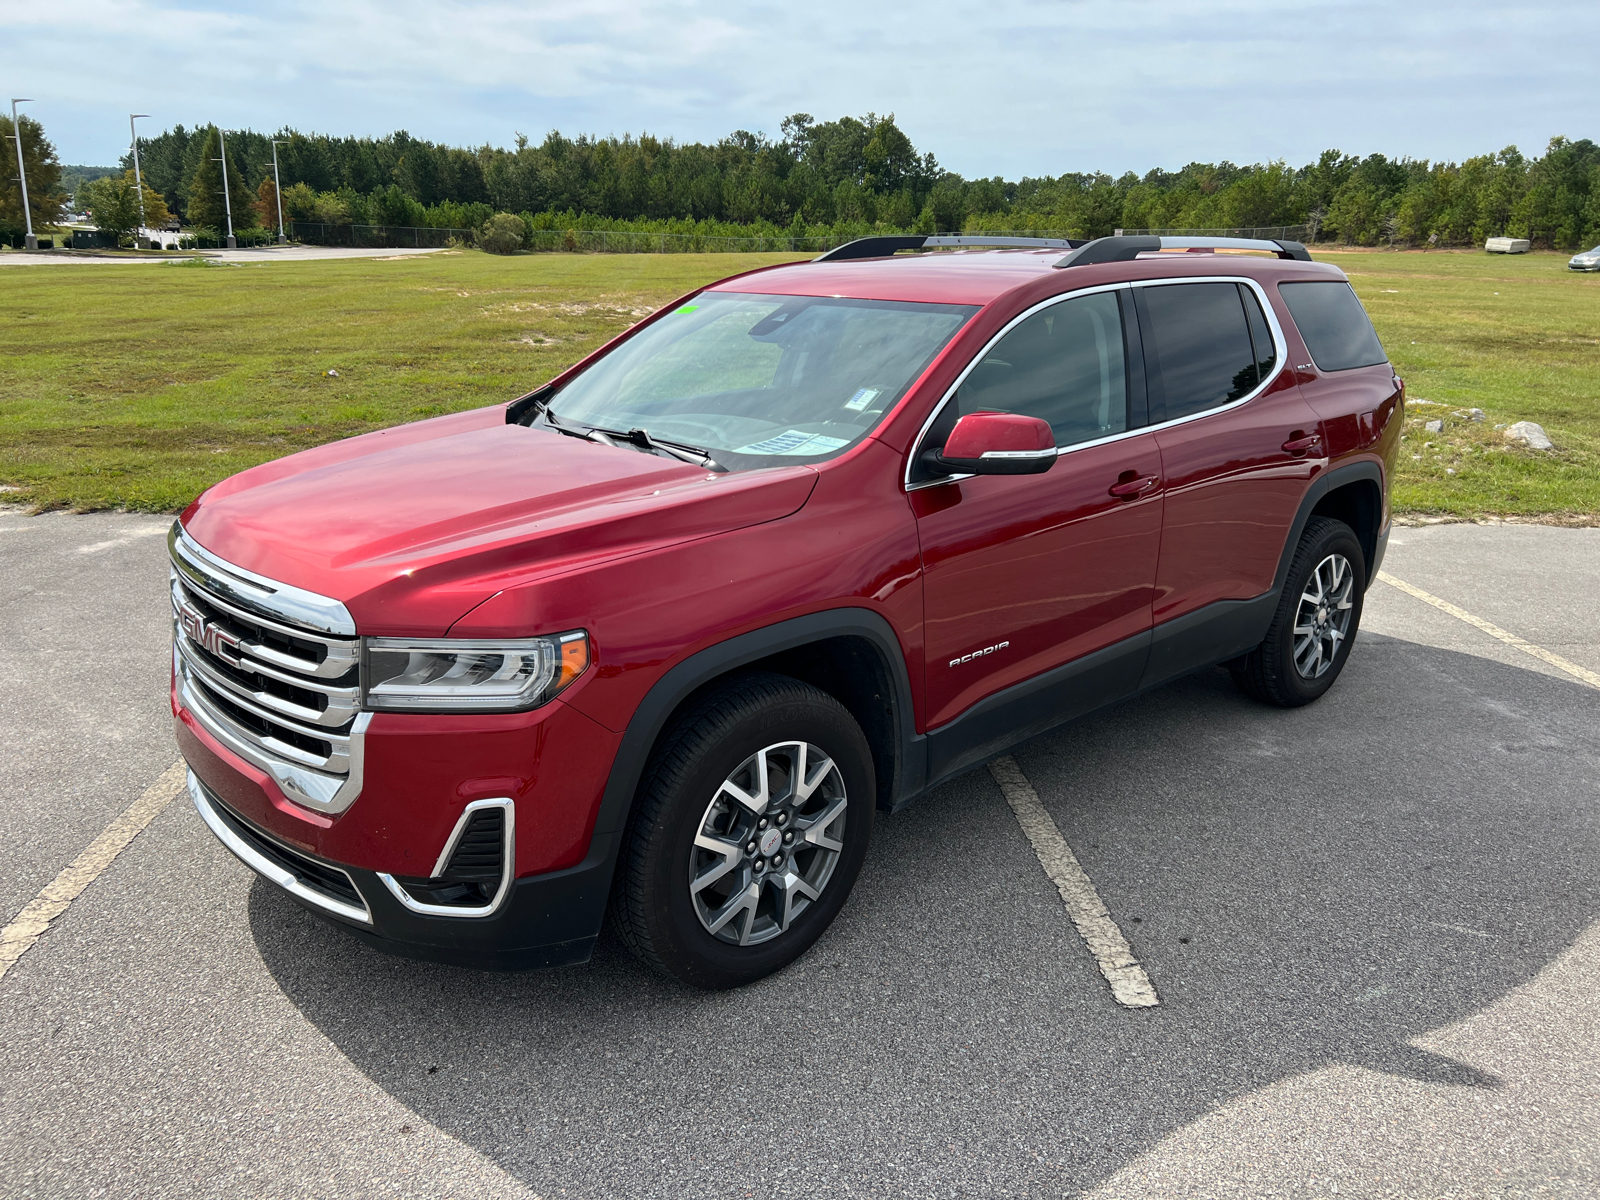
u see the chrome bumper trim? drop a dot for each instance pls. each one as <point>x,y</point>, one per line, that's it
<point>508,865</point>
<point>252,858</point>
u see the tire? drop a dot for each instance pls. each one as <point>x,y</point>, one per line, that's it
<point>691,898</point>
<point>1291,668</point>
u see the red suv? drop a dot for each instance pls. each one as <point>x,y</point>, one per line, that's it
<point>660,637</point>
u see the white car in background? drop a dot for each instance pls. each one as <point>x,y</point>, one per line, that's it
<point>1589,260</point>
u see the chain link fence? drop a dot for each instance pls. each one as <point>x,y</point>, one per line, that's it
<point>377,237</point>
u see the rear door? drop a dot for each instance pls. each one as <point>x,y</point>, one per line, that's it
<point>1346,375</point>
<point>1239,446</point>
<point>1025,572</point>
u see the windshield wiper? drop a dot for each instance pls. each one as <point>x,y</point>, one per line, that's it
<point>640,438</point>
<point>698,455</point>
<point>561,426</point>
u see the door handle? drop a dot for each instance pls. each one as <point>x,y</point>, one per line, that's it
<point>1302,445</point>
<point>1130,489</point>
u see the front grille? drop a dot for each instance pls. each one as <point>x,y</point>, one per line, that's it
<point>313,874</point>
<point>272,672</point>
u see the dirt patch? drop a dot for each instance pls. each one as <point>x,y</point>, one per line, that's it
<point>1562,520</point>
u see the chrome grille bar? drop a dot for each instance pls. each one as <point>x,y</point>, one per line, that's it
<point>270,671</point>
<point>273,600</point>
<point>326,657</point>
<point>338,705</point>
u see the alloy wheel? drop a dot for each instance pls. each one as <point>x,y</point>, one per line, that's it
<point>1322,620</point>
<point>767,843</point>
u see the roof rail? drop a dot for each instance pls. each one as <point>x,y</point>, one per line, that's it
<point>885,244</point>
<point>1126,249</point>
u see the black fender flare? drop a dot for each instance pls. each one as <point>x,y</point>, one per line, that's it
<point>1320,487</point>
<point>704,666</point>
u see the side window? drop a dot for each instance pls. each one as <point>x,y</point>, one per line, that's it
<point>1202,347</point>
<point>1260,334</point>
<point>1064,364</point>
<point>1333,324</point>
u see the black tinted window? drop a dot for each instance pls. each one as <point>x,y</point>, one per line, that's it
<point>1201,344</point>
<point>1334,325</point>
<point>1063,364</point>
<point>1260,334</point>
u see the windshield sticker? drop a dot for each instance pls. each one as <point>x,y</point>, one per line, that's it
<point>793,442</point>
<point>688,308</point>
<point>862,398</point>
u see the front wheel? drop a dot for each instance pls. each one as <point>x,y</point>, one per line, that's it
<point>1316,620</point>
<point>752,824</point>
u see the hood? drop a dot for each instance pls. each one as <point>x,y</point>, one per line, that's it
<point>411,527</point>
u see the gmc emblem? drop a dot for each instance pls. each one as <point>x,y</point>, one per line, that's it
<point>211,638</point>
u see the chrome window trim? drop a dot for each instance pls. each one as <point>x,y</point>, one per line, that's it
<point>257,593</point>
<point>1279,341</point>
<point>508,846</point>
<point>1033,455</point>
<point>252,858</point>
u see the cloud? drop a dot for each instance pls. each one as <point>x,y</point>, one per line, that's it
<point>1012,87</point>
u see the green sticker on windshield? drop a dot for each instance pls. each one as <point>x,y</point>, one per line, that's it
<point>688,308</point>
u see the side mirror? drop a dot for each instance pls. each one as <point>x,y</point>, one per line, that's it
<point>996,444</point>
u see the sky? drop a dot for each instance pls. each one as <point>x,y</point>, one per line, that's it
<point>1007,87</point>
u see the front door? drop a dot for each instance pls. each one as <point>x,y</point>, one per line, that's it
<point>1022,574</point>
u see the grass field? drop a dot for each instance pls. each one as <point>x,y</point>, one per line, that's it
<point>1515,335</point>
<point>138,386</point>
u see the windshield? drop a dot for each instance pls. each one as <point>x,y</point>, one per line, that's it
<point>761,380</point>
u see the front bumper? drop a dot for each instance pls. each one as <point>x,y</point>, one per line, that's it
<point>424,777</point>
<point>543,921</point>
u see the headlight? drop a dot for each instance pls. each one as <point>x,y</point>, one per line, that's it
<point>456,675</point>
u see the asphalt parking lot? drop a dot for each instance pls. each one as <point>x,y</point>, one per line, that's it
<point>1373,925</point>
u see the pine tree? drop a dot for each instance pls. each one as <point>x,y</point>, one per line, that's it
<point>206,205</point>
<point>46,200</point>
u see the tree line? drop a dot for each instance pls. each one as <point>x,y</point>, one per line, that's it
<point>852,175</point>
<point>865,172</point>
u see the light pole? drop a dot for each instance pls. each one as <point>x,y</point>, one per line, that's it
<point>227,200</point>
<point>277,190</point>
<point>32,242</point>
<point>138,180</point>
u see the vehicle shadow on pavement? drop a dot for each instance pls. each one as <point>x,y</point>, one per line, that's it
<point>1306,888</point>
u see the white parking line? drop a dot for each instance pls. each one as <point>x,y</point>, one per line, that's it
<point>1130,986</point>
<point>31,923</point>
<point>1583,674</point>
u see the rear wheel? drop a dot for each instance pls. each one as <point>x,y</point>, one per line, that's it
<point>750,828</point>
<point>1315,623</point>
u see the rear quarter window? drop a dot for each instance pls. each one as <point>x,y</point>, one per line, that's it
<point>1334,325</point>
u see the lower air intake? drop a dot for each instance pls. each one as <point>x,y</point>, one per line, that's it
<point>475,870</point>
